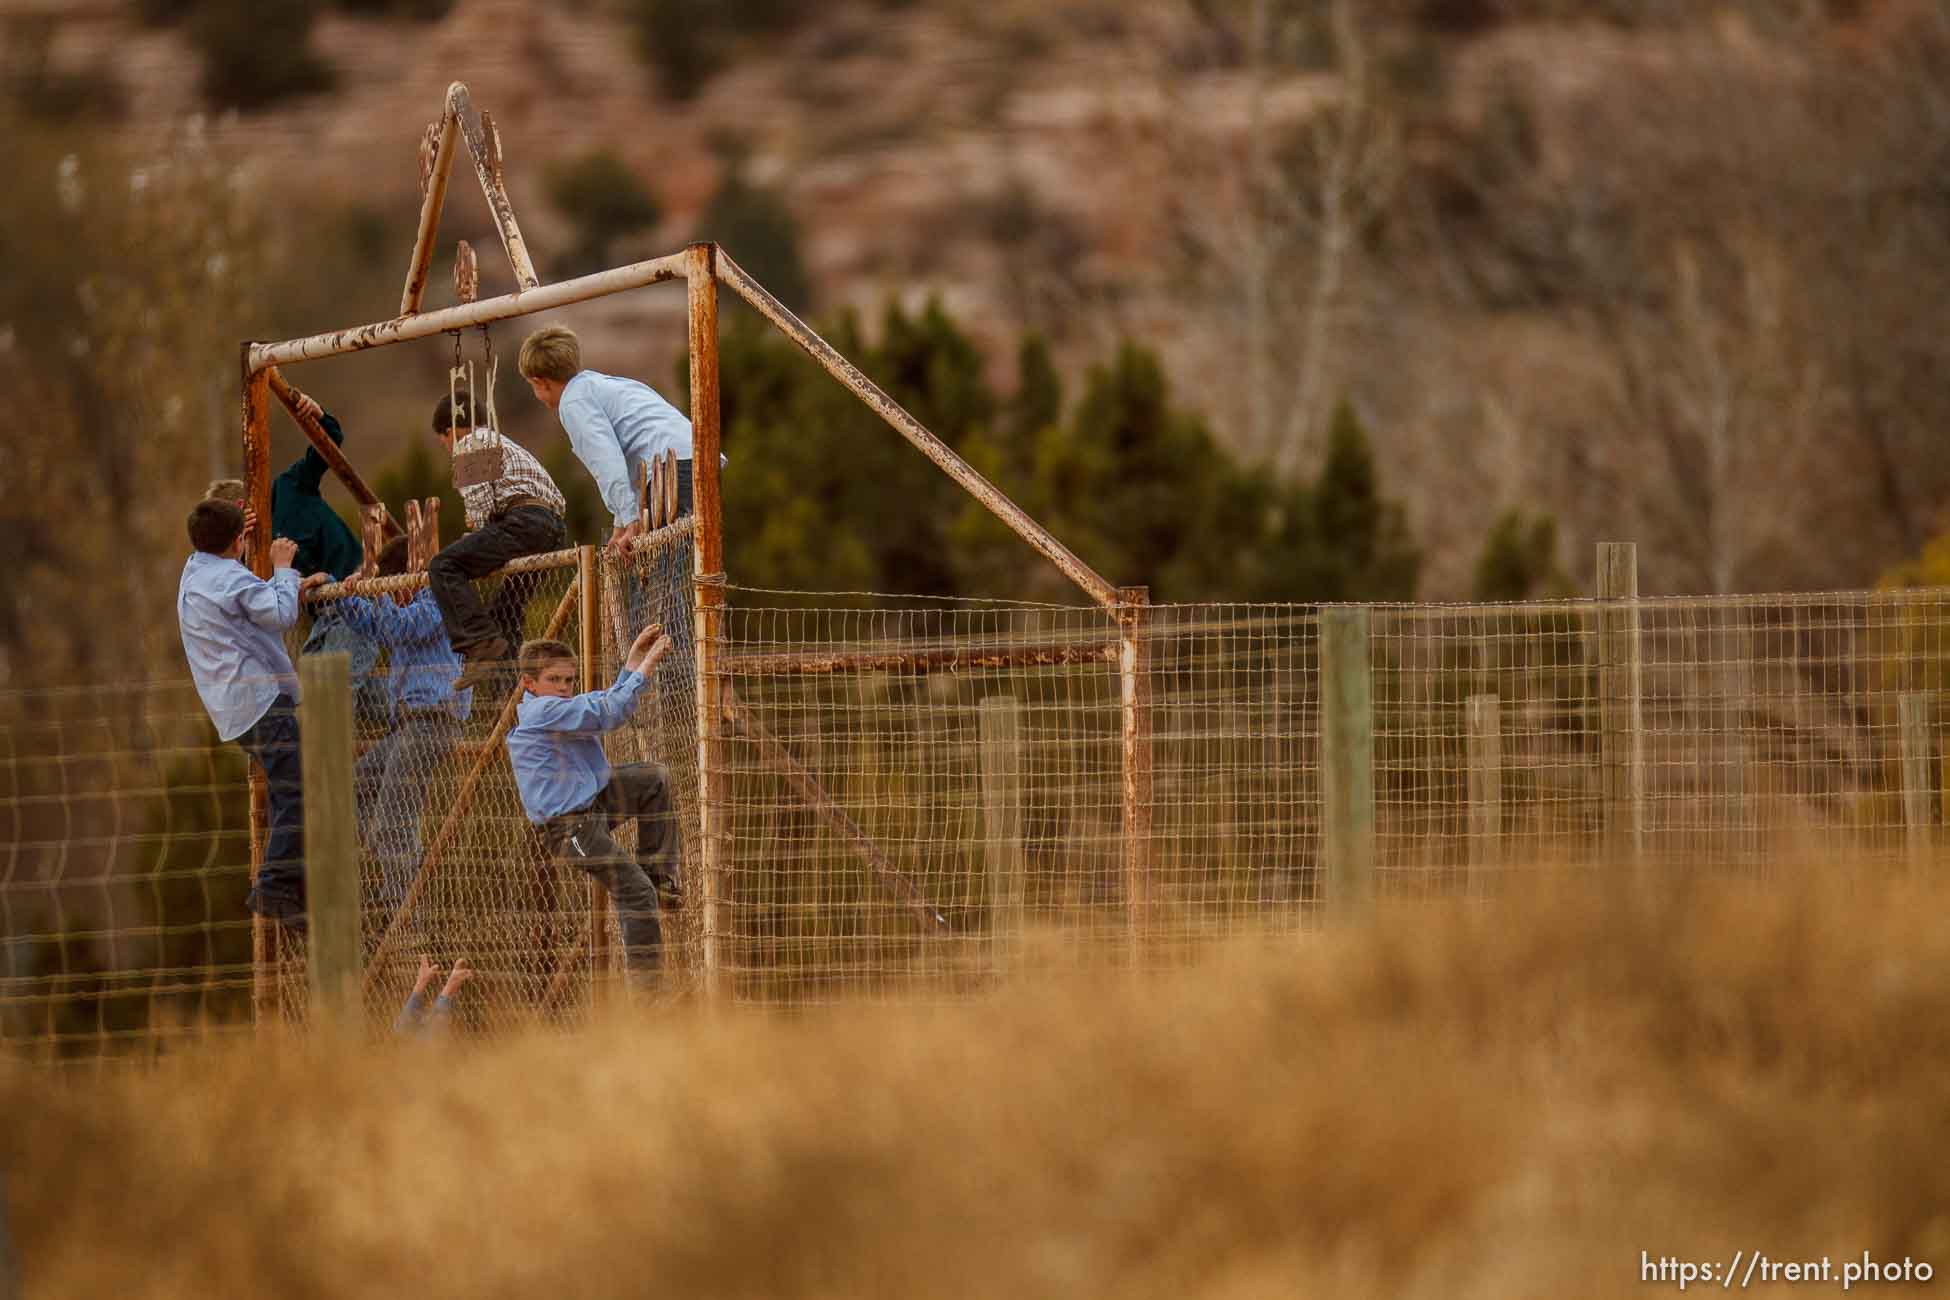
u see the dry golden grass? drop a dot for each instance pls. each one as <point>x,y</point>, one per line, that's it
<point>1509,1100</point>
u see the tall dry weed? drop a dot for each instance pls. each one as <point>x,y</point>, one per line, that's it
<point>1504,1100</point>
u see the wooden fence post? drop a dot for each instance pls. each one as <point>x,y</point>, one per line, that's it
<point>1134,667</point>
<point>1002,846</point>
<point>1913,710</point>
<point>1484,725</point>
<point>589,644</point>
<point>1347,761</point>
<point>331,841</point>
<point>1621,737</point>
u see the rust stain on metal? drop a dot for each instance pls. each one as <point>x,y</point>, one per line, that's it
<point>406,328</point>
<point>707,601</point>
<point>563,559</point>
<point>821,804</point>
<point>991,497</point>
<point>328,449</point>
<point>436,166</point>
<point>467,273</point>
<point>953,659</point>
<point>484,144</point>
<point>257,465</point>
<point>438,846</point>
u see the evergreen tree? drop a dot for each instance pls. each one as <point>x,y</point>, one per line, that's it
<point>599,194</point>
<point>1360,547</point>
<point>1519,560</point>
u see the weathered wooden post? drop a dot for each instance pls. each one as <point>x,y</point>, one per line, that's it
<point>1002,846</point>
<point>589,644</point>
<point>1347,761</point>
<point>1134,668</point>
<point>331,841</point>
<point>1913,715</point>
<point>1483,723</point>
<point>1621,738</point>
<point>708,605</point>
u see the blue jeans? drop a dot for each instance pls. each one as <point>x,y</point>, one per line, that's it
<point>273,742</point>
<point>392,780</point>
<point>372,702</point>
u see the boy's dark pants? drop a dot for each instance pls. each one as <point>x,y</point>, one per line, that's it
<point>273,742</point>
<point>582,839</point>
<point>525,530</point>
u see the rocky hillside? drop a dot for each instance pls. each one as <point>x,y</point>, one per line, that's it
<point>1583,259</point>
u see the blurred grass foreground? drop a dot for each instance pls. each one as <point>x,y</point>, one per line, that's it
<point>1507,1099</point>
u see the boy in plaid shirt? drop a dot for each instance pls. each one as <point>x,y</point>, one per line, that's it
<point>517,513</point>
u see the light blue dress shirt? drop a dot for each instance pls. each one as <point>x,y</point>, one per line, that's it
<point>422,660</point>
<point>233,623</point>
<point>556,746</point>
<point>617,425</point>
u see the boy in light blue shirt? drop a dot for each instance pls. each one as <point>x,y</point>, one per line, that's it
<point>232,623</point>
<point>575,799</point>
<point>617,426</point>
<point>425,715</point>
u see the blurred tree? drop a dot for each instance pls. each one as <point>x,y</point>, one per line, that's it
<point>420,471</point>
<point>1519,560</point>
<point>37,87</point>
<point>119,317</point>
<point>422,11</point>
<point>603,199</point>
<point>758,230</point>
<point>257,52</point>
<point>824,497</point>
<point>1038,399</point>
<point>197,879</point>
<point>1360,545</point>
<point>688,42</point>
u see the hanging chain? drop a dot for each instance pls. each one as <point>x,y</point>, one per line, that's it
<point>493,368</point>
<point>453,394</point>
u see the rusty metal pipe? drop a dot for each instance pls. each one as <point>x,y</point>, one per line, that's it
<point>436,197</point>
<point>563,559</point>
<point>484,143</point>
<point>947,659</point>
<point>991,497</point>
<point>405,329</point>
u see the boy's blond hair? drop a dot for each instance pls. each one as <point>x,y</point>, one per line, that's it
<point>539,654</point>
<point>551,352</point>
<point>226,489</point>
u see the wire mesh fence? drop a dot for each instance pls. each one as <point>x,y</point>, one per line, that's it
<point>127,843</point>
<point>451,867</point>
<point>920,797</point>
